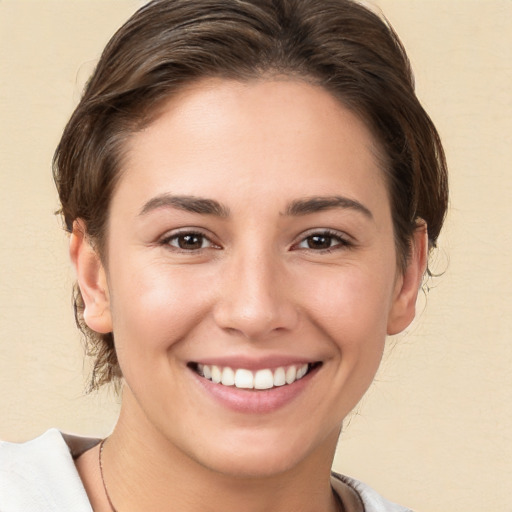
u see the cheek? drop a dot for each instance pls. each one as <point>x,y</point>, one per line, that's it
<point>352,304</point>
<point>156,307</point>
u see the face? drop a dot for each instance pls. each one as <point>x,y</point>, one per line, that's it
<point>251,275</point>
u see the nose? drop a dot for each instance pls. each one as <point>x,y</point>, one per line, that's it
<point>255,297</point>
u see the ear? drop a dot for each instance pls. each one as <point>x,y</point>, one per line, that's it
<point>92,279</point>
<point>408,283</point>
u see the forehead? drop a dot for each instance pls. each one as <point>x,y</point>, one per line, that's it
<point>266,137</point>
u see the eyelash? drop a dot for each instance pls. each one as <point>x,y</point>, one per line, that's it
<point>341,241</point>
<point>167,241</point>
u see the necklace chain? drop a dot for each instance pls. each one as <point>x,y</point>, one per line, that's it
<point>100,460</point>
<point>103,478</point>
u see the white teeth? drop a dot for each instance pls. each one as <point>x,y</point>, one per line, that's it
<point>206,371</point>
<point>228,377</point>
<point>263,379</point>
<point>291,373</point>
<point>279,377</point>
<point>302,371</point>
<point>216,374</point>
<point>246,379</point>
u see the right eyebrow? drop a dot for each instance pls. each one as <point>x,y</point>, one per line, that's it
<point>192,204</point>
<point>315,204</point>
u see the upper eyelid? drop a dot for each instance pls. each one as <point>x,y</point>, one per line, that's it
<point>165,242</point>
<point>342,235</point>
<point>325,231</point>
<point>192,230</point>
<point>173,234</point>
<point>345,239</point>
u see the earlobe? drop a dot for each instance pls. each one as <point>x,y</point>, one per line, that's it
<point>92,279</point>
<point>408,283</point>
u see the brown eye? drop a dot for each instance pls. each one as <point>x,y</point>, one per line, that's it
<point>319,241</point>
<point>188,241</point>
<point>323,241</point>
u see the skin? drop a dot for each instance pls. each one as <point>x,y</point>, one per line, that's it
<point>255,286</point>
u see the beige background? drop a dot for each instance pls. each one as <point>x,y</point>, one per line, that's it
<point>435,431</point>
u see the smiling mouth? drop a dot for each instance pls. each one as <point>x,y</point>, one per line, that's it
<point>242,378</point>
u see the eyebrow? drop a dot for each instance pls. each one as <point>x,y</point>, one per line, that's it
<point>298,207</point>
<point>186,203</point>
<point>320,203</point>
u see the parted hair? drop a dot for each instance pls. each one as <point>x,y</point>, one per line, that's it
<point>339,45</point>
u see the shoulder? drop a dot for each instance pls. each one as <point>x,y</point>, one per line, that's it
<point>370,500</point>
<point>40,475</point>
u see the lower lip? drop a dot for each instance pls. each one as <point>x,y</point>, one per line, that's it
<point>255,401</point>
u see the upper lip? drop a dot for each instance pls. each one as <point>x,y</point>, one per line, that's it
<point>251,363</point>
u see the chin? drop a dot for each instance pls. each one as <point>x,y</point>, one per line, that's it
<point>264,456</point>
<point>254,466</point>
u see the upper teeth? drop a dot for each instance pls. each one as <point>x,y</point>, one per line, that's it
<point>246,379</point>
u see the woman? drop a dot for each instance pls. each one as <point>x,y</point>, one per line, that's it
<point>252,190</point>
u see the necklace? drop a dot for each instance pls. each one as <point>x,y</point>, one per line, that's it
<point>338,499</point>
<point>102,478</point>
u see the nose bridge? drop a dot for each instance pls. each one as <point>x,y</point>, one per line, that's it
<point>254,300</point>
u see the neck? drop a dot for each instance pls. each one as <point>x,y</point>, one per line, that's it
<point>145,471</point>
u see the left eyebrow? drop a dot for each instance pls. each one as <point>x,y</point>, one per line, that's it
<point>320,203</point>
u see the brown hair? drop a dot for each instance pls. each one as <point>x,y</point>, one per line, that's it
<point>337,44</point>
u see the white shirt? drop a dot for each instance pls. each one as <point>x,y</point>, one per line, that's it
<point>40,476</point>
